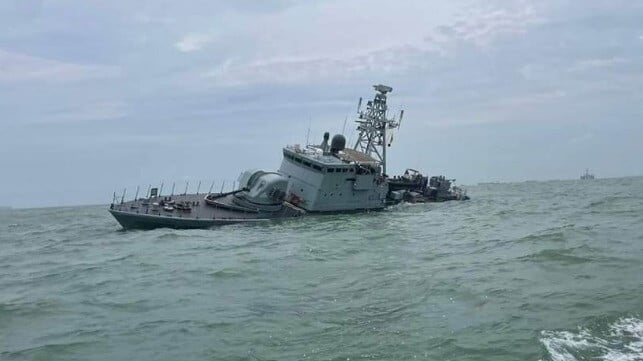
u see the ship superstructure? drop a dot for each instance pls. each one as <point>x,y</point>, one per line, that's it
<point>332,178</point>
<point>587,175</point>
<point>316,178</point>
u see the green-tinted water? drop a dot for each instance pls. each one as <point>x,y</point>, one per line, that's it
<point>526,271</point>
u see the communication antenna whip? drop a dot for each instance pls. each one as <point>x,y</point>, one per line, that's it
<point>400,121</point>
<point>344,127</point>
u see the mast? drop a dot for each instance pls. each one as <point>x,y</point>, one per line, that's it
<point>372,125</point>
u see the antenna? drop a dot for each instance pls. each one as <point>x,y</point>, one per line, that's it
<point>344,127</point>
<point>359,105</point>
<point>400,121</point>
<point>372,125</point>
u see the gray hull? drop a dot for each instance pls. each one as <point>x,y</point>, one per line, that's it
<point>144,214</point>
<point>143,221</point>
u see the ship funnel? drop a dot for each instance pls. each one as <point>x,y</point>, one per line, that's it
<point>338,143</point>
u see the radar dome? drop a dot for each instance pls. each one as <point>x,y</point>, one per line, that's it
<point>337,143</point>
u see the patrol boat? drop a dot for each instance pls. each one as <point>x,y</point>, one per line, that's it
<point>324,178</point>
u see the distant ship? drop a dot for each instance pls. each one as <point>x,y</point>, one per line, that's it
<point>587,175</point>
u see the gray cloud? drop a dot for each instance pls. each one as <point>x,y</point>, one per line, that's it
<point>16,67</point>
<point>137,92</point>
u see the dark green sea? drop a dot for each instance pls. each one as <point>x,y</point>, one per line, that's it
<point>522,271</point>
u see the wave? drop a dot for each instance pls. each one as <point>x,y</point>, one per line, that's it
<point>621,341</point>
<point>616,205</point>
<point>565,256</point>
<point>226,273</point>
<point>611,200</point>
<point>21,308</point>
<point>45,352</point>
<point>545,236</point>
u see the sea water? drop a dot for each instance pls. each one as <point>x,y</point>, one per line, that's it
<point>522,271</point>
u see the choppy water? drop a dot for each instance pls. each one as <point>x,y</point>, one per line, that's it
<point>526,271</point>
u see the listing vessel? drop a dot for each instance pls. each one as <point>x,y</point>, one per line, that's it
<point>323,178</point>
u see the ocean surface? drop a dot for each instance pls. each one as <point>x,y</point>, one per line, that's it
<point>522,271</point>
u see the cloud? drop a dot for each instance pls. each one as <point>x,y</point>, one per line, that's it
<point>534,98</point>
<point>531,71</point>
<point>482,27</point>
<point>93,111</point>
<point>484,71</point>
<point>310,69</point>
<point>192,42</point>
<point>583,138</point>
<point>152,20</point>
<point>589,64</point>
<point>325,54</point>
<point>16,67</point>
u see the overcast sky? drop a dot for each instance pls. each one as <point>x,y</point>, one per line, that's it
<point>96,96</point>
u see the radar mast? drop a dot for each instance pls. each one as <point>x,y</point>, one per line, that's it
<point>372,125</point>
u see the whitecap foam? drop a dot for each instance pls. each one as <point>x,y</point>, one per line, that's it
<point>623,341</point>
